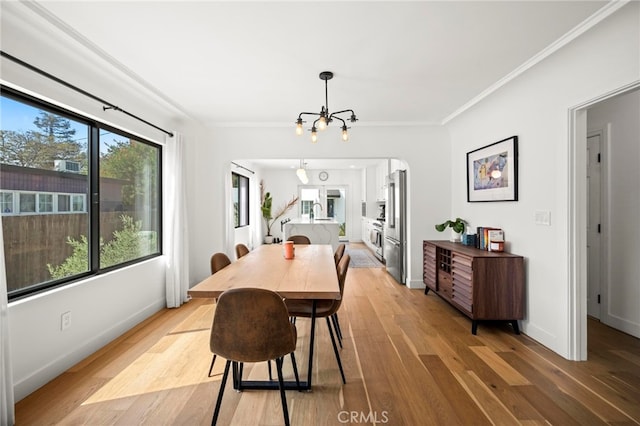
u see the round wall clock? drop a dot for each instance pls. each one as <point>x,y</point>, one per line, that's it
<point>323,176</point>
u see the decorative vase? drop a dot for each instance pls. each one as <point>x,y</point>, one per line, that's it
<point>268,239</point>
<point>456,237</point>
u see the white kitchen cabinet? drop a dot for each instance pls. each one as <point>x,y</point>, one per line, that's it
<point>363,186</point>
<point>382,171</point>
<point>365,229</point>
<point>372,192</point>
<point>366,237</point>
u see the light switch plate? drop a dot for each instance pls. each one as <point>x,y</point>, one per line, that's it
<point>543,217</point>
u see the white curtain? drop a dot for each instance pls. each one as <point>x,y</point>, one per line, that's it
<point>6,374</point>
<point>176,231</point>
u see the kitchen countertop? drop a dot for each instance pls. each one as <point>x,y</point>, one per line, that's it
<point>299,221</point>
<point>319,231</point>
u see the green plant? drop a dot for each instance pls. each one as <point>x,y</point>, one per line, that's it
<point>458,225</point>
<point>127,244</point>
<point>267,202</point>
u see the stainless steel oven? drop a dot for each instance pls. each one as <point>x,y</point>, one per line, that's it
<point>377,239</point>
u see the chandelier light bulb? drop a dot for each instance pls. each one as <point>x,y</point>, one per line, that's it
<point>299,127</point>
<point>314,135</point>
<point>322,123</point>
<point>345,134</point>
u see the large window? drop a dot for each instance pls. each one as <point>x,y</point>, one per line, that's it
<point>240,197</point>
<point>55,230</point>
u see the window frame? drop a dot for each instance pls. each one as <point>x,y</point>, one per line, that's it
<point>91,198</point>
<point>4,204</point>
<point>243,201</point>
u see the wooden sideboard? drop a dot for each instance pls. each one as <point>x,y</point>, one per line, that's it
<point>481,284</point>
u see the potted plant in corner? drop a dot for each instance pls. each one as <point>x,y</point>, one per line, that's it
<point>269,220</point>
<point>457,229</point>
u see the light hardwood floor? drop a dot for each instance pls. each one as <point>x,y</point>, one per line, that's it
<point>409,359</point>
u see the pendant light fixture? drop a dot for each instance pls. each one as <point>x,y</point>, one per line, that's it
<point>324,116</point>
<point>302,173</point>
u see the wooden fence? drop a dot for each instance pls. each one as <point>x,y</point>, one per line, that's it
<point>33,241</point>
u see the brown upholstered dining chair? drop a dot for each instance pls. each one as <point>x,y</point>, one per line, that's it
<point>337,256</point>
<point>324,308</point>
<point>299,239</point>
<point>241,250</point>
<point>218,261</point>
<point>241,333</point>
<point>339,253</point>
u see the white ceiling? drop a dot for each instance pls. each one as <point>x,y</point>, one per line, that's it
<point>257,63</point>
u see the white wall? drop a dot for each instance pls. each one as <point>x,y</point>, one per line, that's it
<point>535,107</point>
<point>103,307</point>
<point>425,150</point>
<point>622,154</point>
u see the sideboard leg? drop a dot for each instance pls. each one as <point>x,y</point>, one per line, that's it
<point>474,327</point>
<point>514,324</point>
<point>426,290</point>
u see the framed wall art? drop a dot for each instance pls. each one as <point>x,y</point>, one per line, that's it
<point>492,172</point>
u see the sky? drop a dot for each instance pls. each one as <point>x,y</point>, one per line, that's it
<point>19,117</point>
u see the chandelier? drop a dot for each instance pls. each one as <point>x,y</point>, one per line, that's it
<point>324,116</point>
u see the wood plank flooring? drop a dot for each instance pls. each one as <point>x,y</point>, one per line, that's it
<point>409,359</point>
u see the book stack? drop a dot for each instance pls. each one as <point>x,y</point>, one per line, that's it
<point>490,239</point>
<point>469,240</point>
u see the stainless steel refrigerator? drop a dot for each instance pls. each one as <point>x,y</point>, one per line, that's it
<point>395,231</point>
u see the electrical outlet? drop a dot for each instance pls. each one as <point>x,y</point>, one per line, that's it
<point>65,320</point>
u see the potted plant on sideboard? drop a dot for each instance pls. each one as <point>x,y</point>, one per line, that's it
<point>457,226</point>
<point>269,220</point>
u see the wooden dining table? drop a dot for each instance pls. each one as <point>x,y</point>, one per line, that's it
<point>311,275</point>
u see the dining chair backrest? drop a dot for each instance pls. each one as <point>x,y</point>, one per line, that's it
<point>241,250</point>
<point>342,269</point>
<point>251,325</point>
<point>219,261</point>
<point>299,239</point>
<point>339,253</point>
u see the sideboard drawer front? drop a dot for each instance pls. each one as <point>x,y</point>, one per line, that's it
<point>462,262</point>
<point>444,284</point>
<point>429,266</point>
<point>461,296</point>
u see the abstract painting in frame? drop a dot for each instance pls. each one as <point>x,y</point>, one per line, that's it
<point>492,172</point>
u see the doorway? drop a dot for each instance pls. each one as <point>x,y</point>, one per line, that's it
<point>620,313</point>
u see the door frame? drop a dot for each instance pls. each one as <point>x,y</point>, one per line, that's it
<point>577,222</point>
<point>603,203</point>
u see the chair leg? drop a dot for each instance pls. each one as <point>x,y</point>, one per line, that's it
<point>211,367</point>
<point>295,371</point>
<point>269,366</point>
<point>282,394</point>
<point>338,324</point>
<point>335,350</point>
<point>336,327</point>
<point>237,375</point>
<point>219,401</point>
